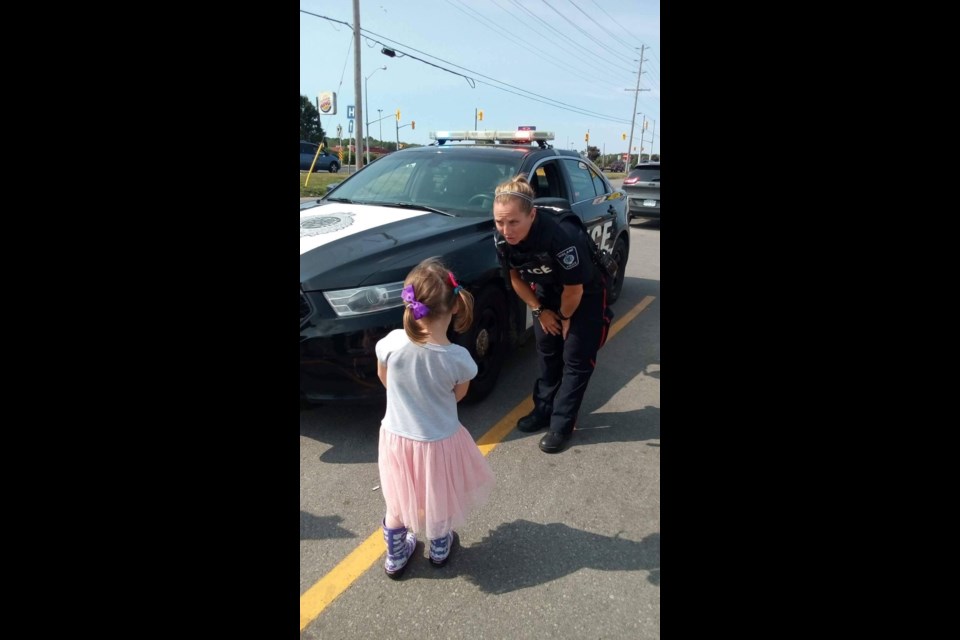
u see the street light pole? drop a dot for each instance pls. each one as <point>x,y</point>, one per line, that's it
<point>380,116</point>
<point>366,108</point>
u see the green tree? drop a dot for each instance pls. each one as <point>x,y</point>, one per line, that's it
<point>593,153</point>
<point>310,128</point>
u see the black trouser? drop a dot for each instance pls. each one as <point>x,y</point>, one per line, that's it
<point>566,365</point>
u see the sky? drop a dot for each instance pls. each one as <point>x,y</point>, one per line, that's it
<point>567,66</point>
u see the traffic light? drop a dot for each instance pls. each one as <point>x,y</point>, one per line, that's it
<point>623,136</point>
<point>480,115</point>
<point>398,115</point>
<point>413,124</point>
<point>586,138</point>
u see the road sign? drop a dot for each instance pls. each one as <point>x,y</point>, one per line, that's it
<point>350,112</point>
<point>339,131</point>
<point>327,103</point>
<point>350,127</point>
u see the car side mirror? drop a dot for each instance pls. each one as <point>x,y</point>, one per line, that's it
<point>553,203</point>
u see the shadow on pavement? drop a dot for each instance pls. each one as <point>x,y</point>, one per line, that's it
<point>521,554</point>
<point>351,430</point>
<point>628,426</point>
<point>322,527</point>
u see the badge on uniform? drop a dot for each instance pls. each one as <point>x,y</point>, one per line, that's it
<point>568,258</point>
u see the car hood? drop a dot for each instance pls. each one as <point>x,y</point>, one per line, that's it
<point>349,245</point>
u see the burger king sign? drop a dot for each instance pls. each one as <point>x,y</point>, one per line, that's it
<point>328,103</point>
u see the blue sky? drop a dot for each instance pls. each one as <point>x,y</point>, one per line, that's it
<point>581,53</point>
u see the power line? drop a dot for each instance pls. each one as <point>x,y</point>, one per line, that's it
<point>587,35</point>
<point>346,59</point>
<point>603,28</point>
<point>615,21</point>
<point>557,102</point>
<point>517,40</point>
<point>543,99</point>
<point>547,25</point>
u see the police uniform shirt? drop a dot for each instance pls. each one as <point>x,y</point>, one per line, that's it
<point>553,255</point>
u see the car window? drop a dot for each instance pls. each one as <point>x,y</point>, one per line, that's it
<point>582,180</point>
<point>599,185</point>
<point>547,181</point>
<point>454,182</point>
<point>646,174</point>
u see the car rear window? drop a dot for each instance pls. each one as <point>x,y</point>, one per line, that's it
<point>646,174</point>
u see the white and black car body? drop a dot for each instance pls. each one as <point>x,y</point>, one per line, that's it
<point>359,242</point>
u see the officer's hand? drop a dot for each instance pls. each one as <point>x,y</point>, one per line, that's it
<point>550,322</point>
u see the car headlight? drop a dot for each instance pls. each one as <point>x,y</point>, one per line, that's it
<point>355,302</point>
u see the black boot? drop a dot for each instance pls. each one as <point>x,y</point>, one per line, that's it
<point>531,422</point>
<point>554,442</point>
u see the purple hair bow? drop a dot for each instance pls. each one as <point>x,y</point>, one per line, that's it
<point>419,309</point>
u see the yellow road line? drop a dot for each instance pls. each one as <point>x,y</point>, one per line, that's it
<point>317,597</point>
<point>326,590</point>
<point>633,313</point>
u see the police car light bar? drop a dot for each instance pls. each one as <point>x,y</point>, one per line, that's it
<point>490,137</point>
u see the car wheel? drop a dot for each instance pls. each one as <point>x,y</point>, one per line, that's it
<point>620,254</point>
<point>486,341</point>
<point>334,167</point>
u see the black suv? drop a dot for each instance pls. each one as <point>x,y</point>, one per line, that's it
<point>359,242</point>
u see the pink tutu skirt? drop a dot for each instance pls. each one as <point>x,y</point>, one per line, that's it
<point>433,486</point>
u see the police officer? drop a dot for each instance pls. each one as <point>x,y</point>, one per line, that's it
<point>551,271</point>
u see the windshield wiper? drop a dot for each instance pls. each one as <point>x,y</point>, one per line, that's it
<point>409,205</point>
<point>345,200</point>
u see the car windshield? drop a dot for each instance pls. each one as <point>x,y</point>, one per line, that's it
<point>646,174</point>
<point>457,182</point>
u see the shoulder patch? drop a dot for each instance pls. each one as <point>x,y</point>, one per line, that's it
<point>568,258</point>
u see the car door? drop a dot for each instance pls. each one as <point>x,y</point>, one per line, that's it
<point>307,151</point>
<point>591,199</point>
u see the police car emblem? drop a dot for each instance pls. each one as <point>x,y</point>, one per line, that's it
<point>326,223</point>
<point>568,258</point>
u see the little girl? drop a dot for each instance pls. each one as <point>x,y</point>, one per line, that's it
<point>431,472</point>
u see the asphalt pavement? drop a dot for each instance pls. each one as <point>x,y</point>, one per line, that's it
<point>568,545</point>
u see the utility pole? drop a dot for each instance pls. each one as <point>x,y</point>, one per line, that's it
<point>643,127</point>
<point>651,139</point>
<point>633,117</point>
<point>357,76</point>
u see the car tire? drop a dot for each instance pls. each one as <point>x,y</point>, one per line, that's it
<point>620,254</point>
<point>486,341</point>
<point>334,167</point>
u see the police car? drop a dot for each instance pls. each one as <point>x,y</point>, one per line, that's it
<point>360,240</point>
